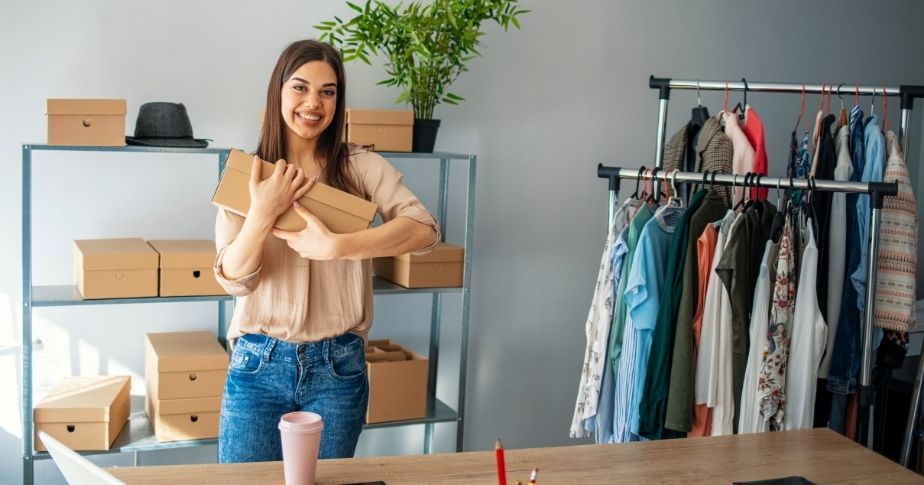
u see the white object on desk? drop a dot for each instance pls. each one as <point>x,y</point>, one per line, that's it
<point>76,469</point>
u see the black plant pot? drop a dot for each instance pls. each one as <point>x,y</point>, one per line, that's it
<point>425,135</point>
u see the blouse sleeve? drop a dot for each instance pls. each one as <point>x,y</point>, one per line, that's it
<point>227,227</point>
<point>384,185</point>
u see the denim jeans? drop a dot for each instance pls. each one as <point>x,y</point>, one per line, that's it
<point>268,378</point>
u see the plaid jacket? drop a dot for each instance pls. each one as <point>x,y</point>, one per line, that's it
<point>713,152</point>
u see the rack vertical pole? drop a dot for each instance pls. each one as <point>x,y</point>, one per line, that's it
<point>466,298</point>
<point>867,392</point>
<point>28,462</point>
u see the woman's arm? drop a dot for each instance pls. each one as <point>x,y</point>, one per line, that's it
<point>269,198</point>
<point>397,236</point>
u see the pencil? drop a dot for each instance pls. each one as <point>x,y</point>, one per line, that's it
<point>499,457</point>
<point>533,476</point>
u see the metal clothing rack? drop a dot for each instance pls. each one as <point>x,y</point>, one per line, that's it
<point>907,94</point>
<point>876,190</point>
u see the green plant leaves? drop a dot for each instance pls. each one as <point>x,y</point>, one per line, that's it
<point>427,46</point>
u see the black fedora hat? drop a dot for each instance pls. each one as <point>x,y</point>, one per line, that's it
<point>164,125</point>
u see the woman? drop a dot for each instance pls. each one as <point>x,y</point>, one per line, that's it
<point>304,303</point>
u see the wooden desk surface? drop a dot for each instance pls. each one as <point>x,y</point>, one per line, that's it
<point>819,455</point>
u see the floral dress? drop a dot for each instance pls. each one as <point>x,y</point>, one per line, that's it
<point>771,384</point>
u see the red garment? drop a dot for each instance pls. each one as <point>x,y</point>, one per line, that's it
<point>754,129</point>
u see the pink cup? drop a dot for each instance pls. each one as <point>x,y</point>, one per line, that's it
<point>301,439</point>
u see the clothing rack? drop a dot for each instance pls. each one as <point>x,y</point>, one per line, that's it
<point>876,190</point>
<point>907,94</point>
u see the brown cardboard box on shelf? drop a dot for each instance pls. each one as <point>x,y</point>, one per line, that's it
<point>440,268</point>
<point>115,268</point>
<point>184,419</point>
<point>341,212</point>
<point>385,130</point>
<point>84,413</point>
<point>397,382</point>
<point>99,122</point>
<point>182,365</point>
<point>186,268</point>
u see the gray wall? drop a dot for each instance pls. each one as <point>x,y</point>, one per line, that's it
<point>545,104</point>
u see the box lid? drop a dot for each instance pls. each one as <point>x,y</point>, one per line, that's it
<point>442,253</point>
<point>108,254</point>
<point>320,193</point>
<point>379,117</point>
<point>199,253</point>
<point>193,405</point>
<point>185,351</point>
<point>85,106</point>
<point>83,399</point>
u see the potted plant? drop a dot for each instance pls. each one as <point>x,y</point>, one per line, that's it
<point>427,45</point>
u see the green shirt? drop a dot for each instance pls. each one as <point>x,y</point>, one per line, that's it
<point>641,217</point>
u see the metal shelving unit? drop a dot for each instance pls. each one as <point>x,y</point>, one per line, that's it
<point>137,435</point>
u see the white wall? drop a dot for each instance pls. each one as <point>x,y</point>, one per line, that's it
<point>545,105</point>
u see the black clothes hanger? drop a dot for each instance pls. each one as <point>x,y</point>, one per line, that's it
<point>638,180</point>
<point>700,113</point>
<point>740,107</point>
<point>740,203</point>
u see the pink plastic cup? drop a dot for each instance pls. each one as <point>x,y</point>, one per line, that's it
<point>301,439</point>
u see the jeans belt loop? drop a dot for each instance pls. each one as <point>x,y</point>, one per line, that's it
<point>268,349</point>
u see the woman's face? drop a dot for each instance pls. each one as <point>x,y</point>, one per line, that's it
<point>309,99</point>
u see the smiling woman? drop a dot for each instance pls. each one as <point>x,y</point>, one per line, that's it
<point>304,304</point>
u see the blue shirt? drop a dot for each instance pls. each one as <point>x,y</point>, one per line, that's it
<point>642,294</point>
<point>873,169</point>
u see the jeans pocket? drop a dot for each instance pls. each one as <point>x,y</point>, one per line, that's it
<point>244,360</point>
<point>345,358</point>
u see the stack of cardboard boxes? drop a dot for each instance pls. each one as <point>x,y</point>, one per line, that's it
<point>185,375</point>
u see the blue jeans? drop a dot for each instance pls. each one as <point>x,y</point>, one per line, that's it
<point>268,378</point>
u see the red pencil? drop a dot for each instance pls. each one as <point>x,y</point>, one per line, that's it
<point>501,468</point>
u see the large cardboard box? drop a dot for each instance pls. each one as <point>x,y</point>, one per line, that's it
<point>440,268</point>
<point>99,122</point>
<point>341,212</point>
<point>84,413</point>
<point>385,130</point>
<point>397,382</point>
<point>184,419</point>
<point>115,268</point>
<point>182,365</point>
<point>186,268</point>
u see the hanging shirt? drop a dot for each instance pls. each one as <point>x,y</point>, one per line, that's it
<point>809,336</point>
<point>625,365</point>
<point>743,157</point>
<point>895,288</point>
<point>749,420</point>
<point>872,172</point>
<point>821,204</point>
<point>653,405</point>
<point>771,385</point>
<point>643,294</point>
<point>679,416</point>
<point>713,359</point>
<point>701,424</point>
<point>754,130</point>
<point>837,246</point>
<point>597,330</point>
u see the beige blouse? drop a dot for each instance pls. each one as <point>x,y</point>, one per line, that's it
<point>299,300</point>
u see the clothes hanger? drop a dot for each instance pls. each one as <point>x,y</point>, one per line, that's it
<point>638,180</point>
<point>799,120</point>
<point>740,202</point>
<point>885,110</point>
<point>872,104</point>
<point>739,108</point>
<point>651,198</point>
<point>675,201</point>
<point>700,113</point>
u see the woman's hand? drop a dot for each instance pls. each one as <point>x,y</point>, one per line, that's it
<point>271,197</point>
<point>315,241</point>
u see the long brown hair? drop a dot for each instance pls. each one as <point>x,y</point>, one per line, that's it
<point>330,147</point>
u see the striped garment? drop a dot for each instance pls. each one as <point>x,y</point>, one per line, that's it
<point>898,241</point>
<point>714,152</point>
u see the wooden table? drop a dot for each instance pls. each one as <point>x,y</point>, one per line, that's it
<point>819,455</point>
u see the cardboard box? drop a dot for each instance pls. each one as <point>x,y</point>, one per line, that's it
<point>99,122</point>
<point>84,413</point>
<point>385,130</point>
<point>341,212</point>
<point>115,268</point>
<point>440,268</point>
<point>397,382</point>
<point>184,419</point>
<point>182,365</point>
<point>186,268</point>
